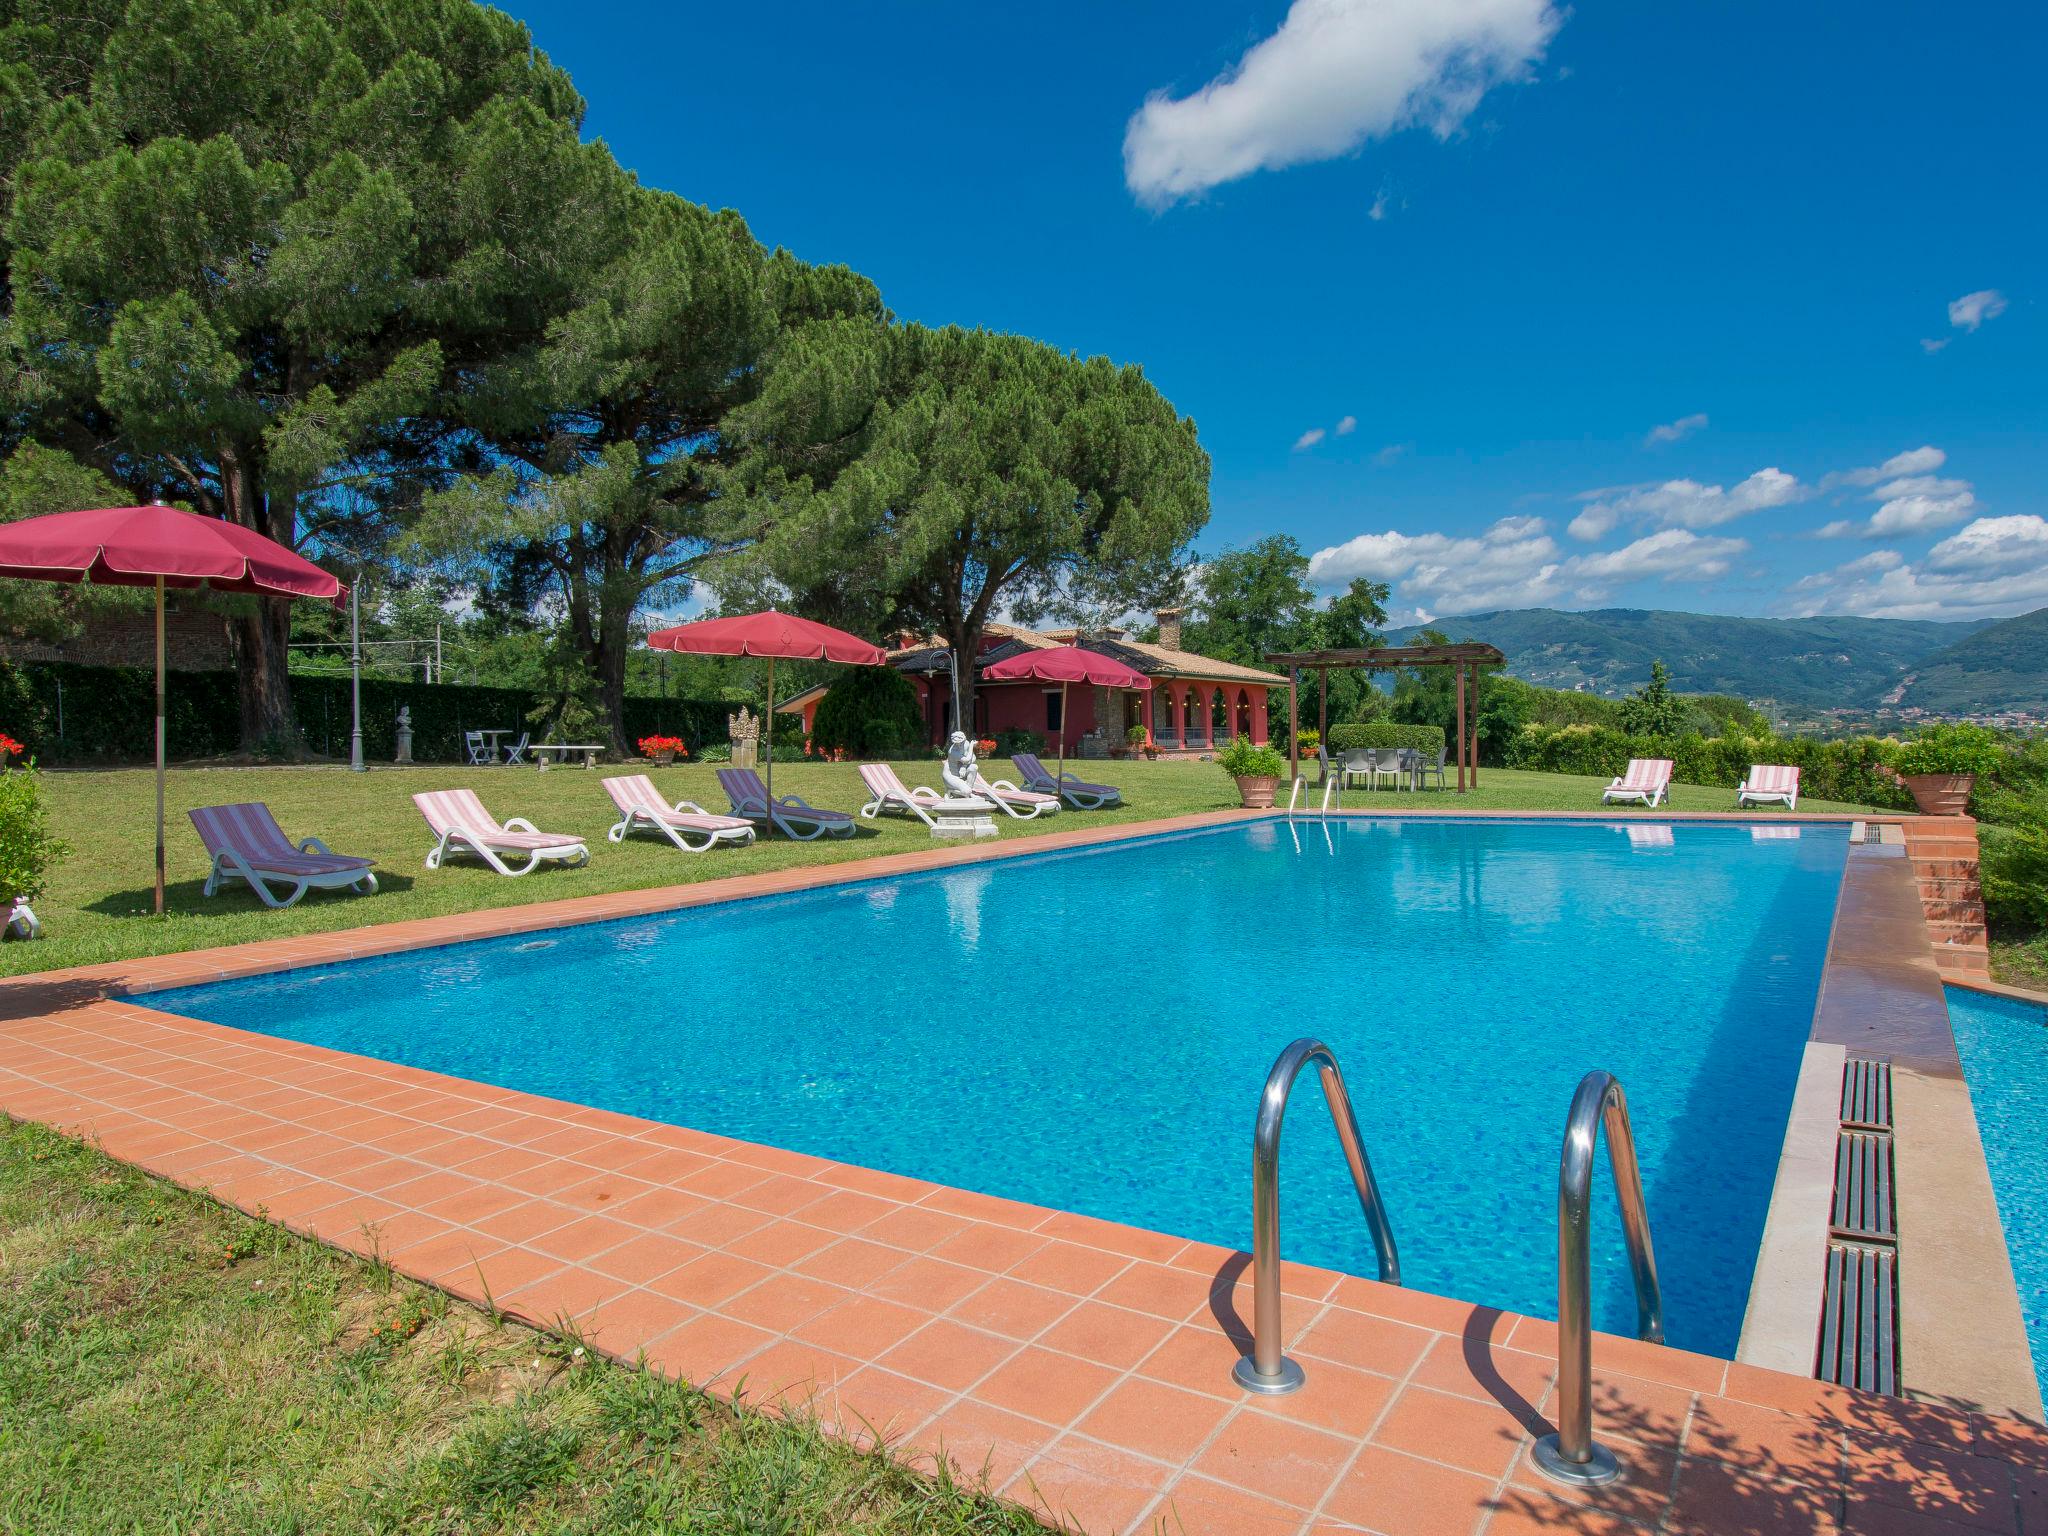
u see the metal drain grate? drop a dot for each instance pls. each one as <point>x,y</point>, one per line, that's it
<point>1859,1331</point>
<point>1867,1093</point>
<point>1863,1187</point>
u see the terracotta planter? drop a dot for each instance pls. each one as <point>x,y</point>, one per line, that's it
<point>1257,791</point>
<point>664,758</point>
<point>1940,794</point>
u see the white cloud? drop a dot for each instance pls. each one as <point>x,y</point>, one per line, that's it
<point>1336,74</point>
<point>1684,503</point>
<point>1914,461</point>
<point>1391,454</point>
<point>1674,431</point>
<point>1309,438</point>
<point>1919,504</point>
<point>1347,425</point>
<point>1973,309</point>
<point>1840,528</point>
<point>1674,552</point>
<point>1995,566</point>
<point>1378,211</point>
<point>1931,345</point>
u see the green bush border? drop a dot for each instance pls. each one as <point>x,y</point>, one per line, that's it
<point>1426,739</point>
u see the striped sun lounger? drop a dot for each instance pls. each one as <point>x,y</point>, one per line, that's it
<point>1770,784</point>
<point>749,797</point>
<point>1647,782</point>
<point>641,807</point>
<point>248,845</point>
<point>462,825</point>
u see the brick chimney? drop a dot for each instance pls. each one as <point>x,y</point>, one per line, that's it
<point>1169,627</point>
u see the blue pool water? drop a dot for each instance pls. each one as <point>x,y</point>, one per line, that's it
<point>2004,1045</point>
<point>1089,1030</point>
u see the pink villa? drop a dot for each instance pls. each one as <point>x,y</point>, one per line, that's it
<point>1196,703</point>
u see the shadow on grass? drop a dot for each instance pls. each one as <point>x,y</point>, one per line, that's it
<point>188,899</point>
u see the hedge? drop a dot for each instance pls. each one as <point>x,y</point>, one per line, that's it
<point>1426,739</point>
<point>67,712</point>
<point>1828,770</point>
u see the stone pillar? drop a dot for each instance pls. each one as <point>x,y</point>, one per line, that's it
<point>1259,732</point>
<point>1208,697</point>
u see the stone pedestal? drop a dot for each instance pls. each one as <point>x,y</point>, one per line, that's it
<point>964,825</point>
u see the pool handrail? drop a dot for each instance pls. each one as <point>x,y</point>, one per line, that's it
<point>1570,1456</point>
<point>1266,1370</point>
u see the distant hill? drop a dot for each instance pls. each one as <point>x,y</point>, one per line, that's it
<point>1813,663</point>
<point>2002,666</point>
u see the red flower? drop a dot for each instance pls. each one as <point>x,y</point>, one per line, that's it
<point>649,745</point>
<point>9,747</point>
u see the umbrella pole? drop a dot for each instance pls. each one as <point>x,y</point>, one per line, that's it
<point>768,736</point>
<point>159,746</point>
<point>1061,772</point>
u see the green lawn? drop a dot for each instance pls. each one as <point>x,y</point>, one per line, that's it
<point>97,907</point>
<point>169,1365</point>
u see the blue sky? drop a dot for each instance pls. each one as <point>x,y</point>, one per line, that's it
<point>1807,241</point>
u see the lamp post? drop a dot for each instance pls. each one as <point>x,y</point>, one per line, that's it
<point>355,666</point>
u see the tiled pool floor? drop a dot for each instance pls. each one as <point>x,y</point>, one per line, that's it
<point>1082,1367</point>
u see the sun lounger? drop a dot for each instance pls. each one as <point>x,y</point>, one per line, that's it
<point>462,824</point>
<point>1768,783</point>
<point>1078,793</point>
<point>749,797</point>
<point>1648,782</point>
<point>1020,804</point>
<point>247,844</point>
<point>888,792</point>
<point>641,807</point>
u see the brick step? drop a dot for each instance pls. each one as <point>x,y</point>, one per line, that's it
<point>1964,962</point>
<point>1955,888</point>
<point>1944,869</point>
<point>1953,911</point>
<point>1957,936</point>
<point>1941,848</point>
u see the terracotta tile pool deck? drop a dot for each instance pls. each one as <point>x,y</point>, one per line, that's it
<point>1080,1366</point>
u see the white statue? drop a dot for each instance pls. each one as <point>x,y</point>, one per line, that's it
<point>960,770</point>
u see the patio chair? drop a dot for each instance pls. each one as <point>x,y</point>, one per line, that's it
<point>1390,762</point>
<point>642,807</point>
<point>1355,764</point>
<point>1322,765</point>
<point>247,844</point>
<point>462,825</point>
<point>1424,767</point>
<point>1767,784</point>
<point>478,746</point>
<point>890,793</point>
<point>1077,792</point>
<point>1648,782</point>
<point>1018,804</point>
<point>516,753</point>
<point>749,797</point>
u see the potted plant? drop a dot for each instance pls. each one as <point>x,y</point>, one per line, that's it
<point>1939,766</point>
<point>666,749</point>
<point>27,850</point>
<point>1256,768</point>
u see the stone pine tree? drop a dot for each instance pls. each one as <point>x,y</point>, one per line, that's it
<point>249,243</point>
<point>616,480</point>
<point>941,478</point>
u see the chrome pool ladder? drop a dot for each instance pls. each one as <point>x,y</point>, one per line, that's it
<point>1266,1369</point>
<point>1570,1456</point>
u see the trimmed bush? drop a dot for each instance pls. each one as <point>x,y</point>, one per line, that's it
<point>1426,739</point>
<point>1829,770</point>
<point>869,712</point>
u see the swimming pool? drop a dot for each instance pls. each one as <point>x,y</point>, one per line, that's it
<point>1089,1030</point>
<point>2003,1042</point>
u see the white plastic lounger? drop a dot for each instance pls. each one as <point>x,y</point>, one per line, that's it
<point>1647,782</point>
<point>749,797</point>
<point>247,844</point>
<point>890,793</point>
<point>641,807</point>
<point>1019,804</point>
<point>1769,783</point>
<point>462,824</point>
<point>1078,793</point>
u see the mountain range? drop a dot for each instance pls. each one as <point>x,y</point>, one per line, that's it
<point>1975,666</point>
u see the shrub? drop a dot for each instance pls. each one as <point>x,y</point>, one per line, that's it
<point>1426,739</point>
<point>27,850</point>
<point>1950,749</point>
<point>1010,743</point>
<point>1242,758</point>
<point>2014,869</point>
<point>869,712</point>
<point>1852,770</point>
<point>1307,742</point>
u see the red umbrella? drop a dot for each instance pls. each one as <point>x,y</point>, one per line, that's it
<point>772,635</point>
<point>1064,664</point>
<point>161,547</point>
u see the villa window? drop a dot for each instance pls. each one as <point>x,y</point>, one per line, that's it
<point>1054,722</point>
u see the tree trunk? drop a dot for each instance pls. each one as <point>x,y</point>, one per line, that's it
<point>613,641</point>
<point>261,639</point>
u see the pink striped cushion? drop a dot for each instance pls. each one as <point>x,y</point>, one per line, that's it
<point>459,810</point>
<point>1646,772</point>
<point>1773,779</point>
<point>305,864</point>
<point>248,829</point>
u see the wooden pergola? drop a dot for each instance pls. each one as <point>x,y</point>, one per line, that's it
<point>1467,656</point>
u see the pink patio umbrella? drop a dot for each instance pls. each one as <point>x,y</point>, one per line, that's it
<point>1064,664</point>
<point>770,634</point>
<point>162,547</point>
